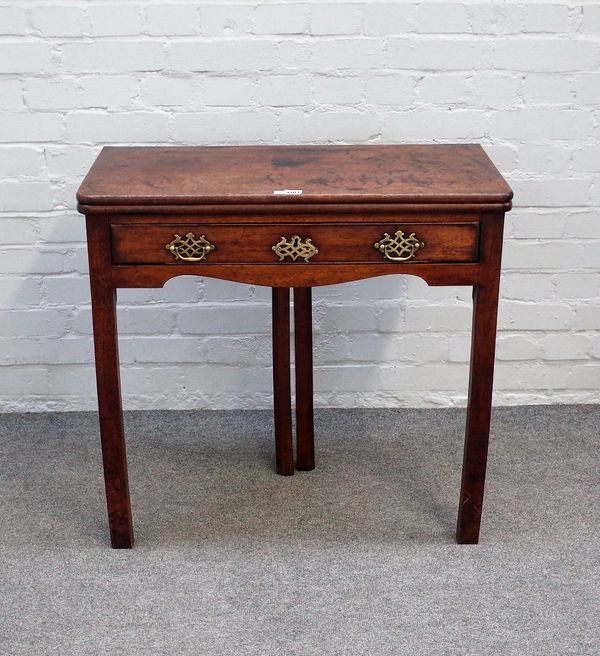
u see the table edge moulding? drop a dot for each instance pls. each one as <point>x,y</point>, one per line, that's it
<point>293,218</point>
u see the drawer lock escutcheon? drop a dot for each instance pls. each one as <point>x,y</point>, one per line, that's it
<point>190,248</point>
<point>399,248</point>
<point>295,248</point>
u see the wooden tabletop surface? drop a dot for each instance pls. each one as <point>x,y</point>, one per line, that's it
<point>423,174</point>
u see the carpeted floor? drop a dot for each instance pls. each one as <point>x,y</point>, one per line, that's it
<point>355,558</point>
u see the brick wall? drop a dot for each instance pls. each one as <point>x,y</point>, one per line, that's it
<point>521,78</point>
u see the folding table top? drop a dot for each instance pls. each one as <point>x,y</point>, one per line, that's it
<point>202,175</point>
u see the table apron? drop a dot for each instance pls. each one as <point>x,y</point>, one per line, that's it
<point>294,275</point>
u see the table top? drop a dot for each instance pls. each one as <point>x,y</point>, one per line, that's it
<point>199,175</point>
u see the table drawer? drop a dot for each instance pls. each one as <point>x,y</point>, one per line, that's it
<point>288,243</point>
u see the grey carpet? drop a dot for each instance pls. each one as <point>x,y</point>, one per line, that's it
<point>356,557</point>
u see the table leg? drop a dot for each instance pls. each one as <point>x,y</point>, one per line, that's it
<point>282,394</point>
<point>483,344</point>
<point>104,317</point>
<point>111,416</point>
<point>305,440</point>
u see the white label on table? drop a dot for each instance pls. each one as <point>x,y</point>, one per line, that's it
<point>287,192</point>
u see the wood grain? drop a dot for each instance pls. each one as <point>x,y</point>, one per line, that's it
<point>434,173</point>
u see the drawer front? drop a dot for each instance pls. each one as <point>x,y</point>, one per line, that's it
<point>289,243</point>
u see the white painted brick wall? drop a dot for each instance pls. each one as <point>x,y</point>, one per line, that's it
<point>522,78</point>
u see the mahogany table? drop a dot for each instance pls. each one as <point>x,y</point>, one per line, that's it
<point>294,217</point>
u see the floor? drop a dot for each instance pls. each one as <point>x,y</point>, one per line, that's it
<point>356,557</point>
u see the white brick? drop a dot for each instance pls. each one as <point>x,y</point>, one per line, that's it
<point>63,228</point>
<point>226,319</point>
<point>583,225</point>
<point>551,192</point>
<point>280,19</point>
<point>17,292</point>
<point>345,54</point>
<point>115,20</point>
<point>517,347</point>
<point>103,91</point>
<point>587,158</point>
<point>527,286</point>
<point>328,126</point>
<point>161,349</point>
<point>25,196</point>
<point>336,90</point>
<point>72,381</point>
<point>591,254</point>
<point>547,89</point>
<point>441,17</point>
<point>32,323</point>
<point>30,262</point>
<point>237,56</point>
<point>438,54</point>
<point>546,255</point>
<point>587,88</point>
<point>67,290</point>
<point>531,224</point>
<point>89,127</point>
<point>540,124</point>
<point>109,56</point>
<point>20,160</point>
<point>585,376</point>
<point>229,20</point>
<point>336,319</point>
<point>514,315</point>
<point>30,57</point>
<point>59,21</point>
<point>65,161</point>
<point>566,347</point>
<point>543,158</point>
<point>17,231</point>
<point>388,18</point>
<point>496,90</point>
<point>436,319</point>
<point>11,94</point>
<point>578,285</point>
<point>249,351</point>
<point>335,19</point>
<point>30,127</point>
<point>22,382</point>
<point>13,20</point>
<point>227,91</point>
<point>530,376</point>
<point>546,18</point>
<point>219,127</point>
<point>168,91</point>
<point>442,89</point>
<point>587,317</point>
<point>591,19</point>
<point>172,19</point>
<point>281,91</point>
<point>52,93</point>
<point>424,125</point>
<point>398,89</point>
<point>145,320</point>
<point>544,55</point>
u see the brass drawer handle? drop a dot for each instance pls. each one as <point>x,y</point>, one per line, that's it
<point>190,248</point>
<point>295,248</point>
<point>399,248</point>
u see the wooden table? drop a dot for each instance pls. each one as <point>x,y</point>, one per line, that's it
<point>294,217</point>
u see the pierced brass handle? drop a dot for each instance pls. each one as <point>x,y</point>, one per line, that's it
<point>399,248</point>
<point>190,248</point>
<point>295,248</point>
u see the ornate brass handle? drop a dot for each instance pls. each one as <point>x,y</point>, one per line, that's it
<point>399,248</point>
<point>190,248</point>
<point>295,248</point>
